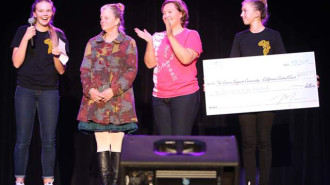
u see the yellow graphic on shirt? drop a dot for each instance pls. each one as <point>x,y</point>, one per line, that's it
<point>265,45</point>
<point>50,45</point>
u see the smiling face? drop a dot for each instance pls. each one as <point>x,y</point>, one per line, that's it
<point>249,13</point>
<point>108,20</point>
<point>43,13</point>
<point>172,14</point>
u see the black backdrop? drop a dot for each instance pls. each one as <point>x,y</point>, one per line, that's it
<point>300,138</point>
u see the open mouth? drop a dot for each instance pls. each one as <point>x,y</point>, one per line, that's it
<point>44,18</point>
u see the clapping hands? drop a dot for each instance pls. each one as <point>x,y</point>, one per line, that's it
<point>145,35</point>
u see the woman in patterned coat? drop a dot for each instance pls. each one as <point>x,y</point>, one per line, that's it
<point>107,108</point>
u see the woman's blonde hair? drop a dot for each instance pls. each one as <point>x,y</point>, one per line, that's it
<point>118,10</point>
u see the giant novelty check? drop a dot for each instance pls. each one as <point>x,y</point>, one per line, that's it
<point>260,83</point>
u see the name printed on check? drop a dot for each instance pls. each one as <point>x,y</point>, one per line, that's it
<point>260,83</point>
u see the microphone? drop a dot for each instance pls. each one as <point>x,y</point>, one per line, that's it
<point>31,22</point>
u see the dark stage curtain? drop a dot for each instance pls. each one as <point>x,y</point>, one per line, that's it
<point>300,138</point>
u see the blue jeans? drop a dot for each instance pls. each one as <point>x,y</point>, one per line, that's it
<point>27,101</point>
<point>176,116</point>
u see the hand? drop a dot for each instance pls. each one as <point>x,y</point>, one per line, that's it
<point>107,95</point>
<point>30,32</point>
<point>95,95</point>
<point>56,51</point>
<point>318,81</point>
<point>143,34</point>
<point>169,31</point>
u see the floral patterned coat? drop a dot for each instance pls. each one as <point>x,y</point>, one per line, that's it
<point>109,65</point>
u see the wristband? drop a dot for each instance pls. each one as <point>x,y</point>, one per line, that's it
<point>56,56</point>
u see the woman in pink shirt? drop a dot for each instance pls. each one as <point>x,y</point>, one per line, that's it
<point>173,55</point>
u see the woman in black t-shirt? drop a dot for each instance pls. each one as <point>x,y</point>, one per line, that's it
<point>39,54</point>
<point>256,127</point>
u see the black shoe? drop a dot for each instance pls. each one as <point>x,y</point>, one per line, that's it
<point>104,166</point>
<point>115,164</point>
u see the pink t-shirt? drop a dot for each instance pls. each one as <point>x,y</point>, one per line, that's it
<point>172,78</point>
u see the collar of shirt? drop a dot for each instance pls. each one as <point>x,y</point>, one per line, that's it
<point>119,39</point>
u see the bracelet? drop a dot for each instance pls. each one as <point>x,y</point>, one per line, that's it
<point>56,56</point>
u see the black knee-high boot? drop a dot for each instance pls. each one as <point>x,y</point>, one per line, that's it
<point>115,164</point>
<point>104,166</point>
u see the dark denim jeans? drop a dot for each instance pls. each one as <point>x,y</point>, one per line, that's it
<point>256,136</point>
<point>176,116</point>
<point>27,101</point>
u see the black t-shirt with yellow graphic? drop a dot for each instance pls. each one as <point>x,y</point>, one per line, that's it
<point>38,70</point>
<point>267,42</point>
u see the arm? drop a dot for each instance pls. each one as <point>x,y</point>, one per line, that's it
<point>278,46</point>
<point>60,68</point>
<point>86,77</point>
<point>85,71</point>
<point>185,55</point>
<point>19,52</point>
<point>59,50</point>
<point>235,52</point>
<point>149,56</point>
<point>129,71</point>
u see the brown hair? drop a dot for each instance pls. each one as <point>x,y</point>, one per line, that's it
<point>118,10</point>
<point>262,7</point>
<point>181,7</point>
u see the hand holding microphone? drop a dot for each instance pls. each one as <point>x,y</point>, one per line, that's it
<point>31,31</point>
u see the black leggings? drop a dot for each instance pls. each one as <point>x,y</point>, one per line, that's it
<point>256,136</point>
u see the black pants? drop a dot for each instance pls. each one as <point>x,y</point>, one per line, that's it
<point>256,137</point>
